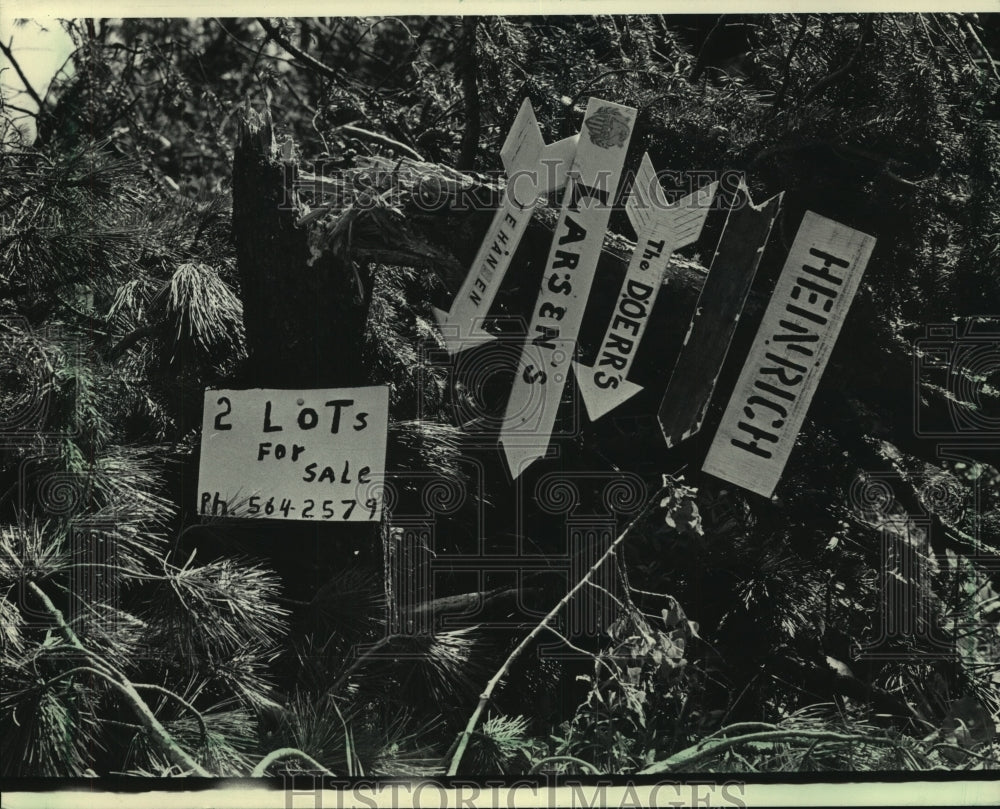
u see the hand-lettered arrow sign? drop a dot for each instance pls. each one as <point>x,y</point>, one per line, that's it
<point>716,314</point>
<point>789,353</point>
<point>661,230</point>
<point>532,169</point>
<point>569,273</point>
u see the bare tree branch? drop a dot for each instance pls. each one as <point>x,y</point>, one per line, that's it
<point>683,760</point>
<point>286,752</point>
<point>699,64</point>
<point>970,29</point>
<point>133,337</point>
<point>384,139</point>
<point>157,733</point>
<point>178,698</point>
<point>298,53</point>
<point>789,58</point>
<point>24,79</point>
<point>16,108</point>
<point>494,681</point>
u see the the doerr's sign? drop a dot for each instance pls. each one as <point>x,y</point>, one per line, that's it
<point>661,228</point>
<point>789,354</point>
<point>294,454</point>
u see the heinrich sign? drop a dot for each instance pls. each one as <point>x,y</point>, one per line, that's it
<point>789,354</point>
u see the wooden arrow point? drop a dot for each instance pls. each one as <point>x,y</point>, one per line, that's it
<point>519,456</point>
<point>454,339</point>
<point>602,393</point>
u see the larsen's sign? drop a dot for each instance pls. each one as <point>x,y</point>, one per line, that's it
<point>532,169</point>
<point>569,273</point>
<point>789,354</point>
<point>294,454</point>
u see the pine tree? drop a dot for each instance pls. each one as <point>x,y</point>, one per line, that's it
<point>249,203</point>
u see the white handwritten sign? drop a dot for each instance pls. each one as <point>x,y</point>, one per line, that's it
<point>294,454</point>
<point>789,354</point>
<point>532,169</point>
<point>661,230</point>
<point>569,274</point>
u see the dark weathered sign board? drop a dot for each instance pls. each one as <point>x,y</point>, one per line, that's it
<point>730,274</point>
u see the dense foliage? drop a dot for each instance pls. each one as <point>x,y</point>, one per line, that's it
<point>737,634</point>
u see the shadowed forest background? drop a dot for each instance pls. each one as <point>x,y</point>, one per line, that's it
<point>280,202</point>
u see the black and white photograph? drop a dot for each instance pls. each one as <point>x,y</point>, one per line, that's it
<point>553,405</point>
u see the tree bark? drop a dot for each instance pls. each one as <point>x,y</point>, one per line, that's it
<point>470,89</point>
<point>304,310</point>
<point>304,314</point>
